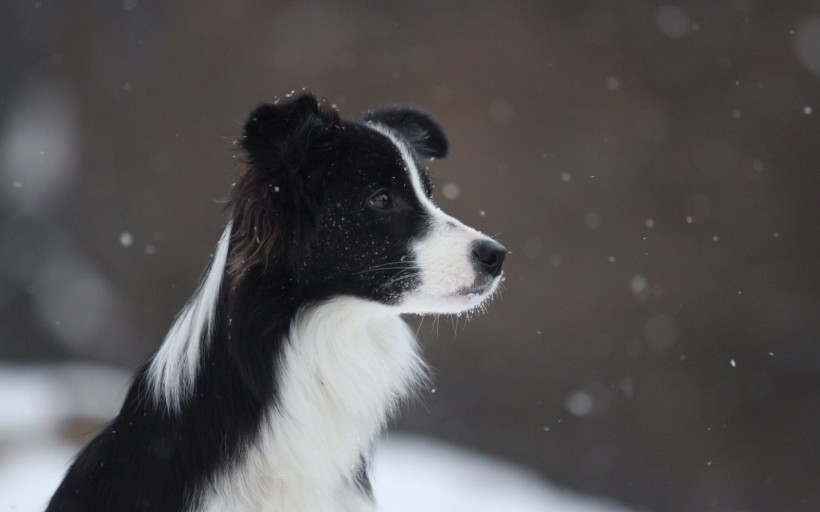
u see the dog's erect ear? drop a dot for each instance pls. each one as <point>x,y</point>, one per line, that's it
<point>419,129</point>
<point>290,147</point>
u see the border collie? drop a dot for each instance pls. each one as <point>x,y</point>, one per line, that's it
<point>274,380</point>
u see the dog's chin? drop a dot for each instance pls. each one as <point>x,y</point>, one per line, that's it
<point>461,300</point>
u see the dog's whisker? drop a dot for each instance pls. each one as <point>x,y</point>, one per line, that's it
<point>388,265</point>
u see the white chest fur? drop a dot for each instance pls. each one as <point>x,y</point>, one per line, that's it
<point>346,365</point>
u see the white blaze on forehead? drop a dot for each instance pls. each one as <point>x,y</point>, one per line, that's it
<point>443,253</point>
<point>415,175</point>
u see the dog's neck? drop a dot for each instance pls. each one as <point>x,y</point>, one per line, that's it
<point>346,364</point>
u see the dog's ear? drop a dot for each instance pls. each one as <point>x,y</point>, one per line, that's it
<point>290,140</point>
<point>289,148</point>
<point>417,128</point>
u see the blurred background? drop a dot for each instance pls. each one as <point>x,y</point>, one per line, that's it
<point>653,167</point>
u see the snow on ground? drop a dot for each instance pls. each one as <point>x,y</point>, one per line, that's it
<point>410,473</point>
<point>414,473</point>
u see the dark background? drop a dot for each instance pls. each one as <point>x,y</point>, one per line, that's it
<point>653,168</point>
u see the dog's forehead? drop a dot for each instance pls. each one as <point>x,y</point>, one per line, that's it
<point>367,146</point>
<point>384,155</point>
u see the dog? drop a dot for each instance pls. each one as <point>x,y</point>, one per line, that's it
<point>277,376</point>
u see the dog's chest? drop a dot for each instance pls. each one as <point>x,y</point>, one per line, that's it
<point>341,373</point>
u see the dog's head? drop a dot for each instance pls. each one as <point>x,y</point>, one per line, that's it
<point>344,208</point>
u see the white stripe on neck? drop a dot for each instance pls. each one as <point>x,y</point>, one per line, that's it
<point>172,372</point>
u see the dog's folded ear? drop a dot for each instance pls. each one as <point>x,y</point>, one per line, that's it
<point>417,128</point>
<point>290,146</point>
<point>295,137</point>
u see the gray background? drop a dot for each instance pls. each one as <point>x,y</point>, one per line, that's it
<point>653,168</point>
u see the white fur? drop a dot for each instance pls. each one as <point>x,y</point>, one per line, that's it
<point>173,370</point>
<point>443,254</point>
<point>346,364</point>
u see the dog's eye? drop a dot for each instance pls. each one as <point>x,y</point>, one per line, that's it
<point>381,200</point>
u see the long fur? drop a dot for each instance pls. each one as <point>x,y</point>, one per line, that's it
<point>275,379</point>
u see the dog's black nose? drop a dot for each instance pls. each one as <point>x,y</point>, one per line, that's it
<point>489,256</point>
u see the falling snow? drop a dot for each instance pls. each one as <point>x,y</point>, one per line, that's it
<point>451,191</point>
<point>126,239</point>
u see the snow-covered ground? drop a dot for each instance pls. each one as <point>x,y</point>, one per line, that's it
<point>410,473</point>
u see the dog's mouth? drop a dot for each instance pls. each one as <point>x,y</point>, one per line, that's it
<point>456,300</point>
<point>478,289</point>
